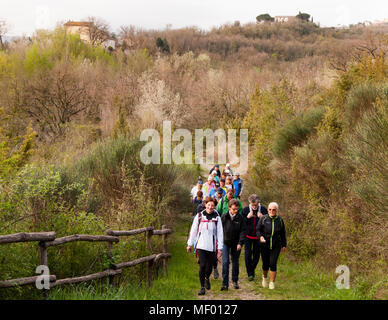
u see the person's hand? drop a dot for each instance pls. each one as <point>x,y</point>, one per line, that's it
<point>238,247</point>
<point>250,215</point>
<point>219,255</point>
<point>284,249</point>
<point>259,215</point>
<point>262,240</point>
<point>188,249</point>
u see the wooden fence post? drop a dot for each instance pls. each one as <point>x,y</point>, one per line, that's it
<point>109,249</point>
<point>43,261</point>
<point>165,250</point>
<point>149,263</point>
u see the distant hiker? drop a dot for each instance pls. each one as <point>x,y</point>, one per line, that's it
<point>223,205</point>
<point>227,167</point>
<point>233,227</point>
<point>209,184</point>
<point>222,185</point>
<point>207,236</point>
<point>226,173</point>
<point>197,201</point>
<point>217,193</point>
<point>216,168</point>
<point>215,176</point>
<point>252,214</point>
<point>272,234</point>
<point>195,189</point>
<point>238,185</point>
<point>229,183</point>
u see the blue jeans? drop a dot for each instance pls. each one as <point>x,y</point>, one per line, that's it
<point>232,250</point>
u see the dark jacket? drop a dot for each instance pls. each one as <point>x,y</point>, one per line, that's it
<point>200,207</point>
<point>273,231</point>
<point>218,171</point>
<point>233,229</point>
<point>196,204</point>
<point>251,223</point>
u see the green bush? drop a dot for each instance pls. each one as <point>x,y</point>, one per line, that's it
<point>296,131</point>
<point>359,100</point>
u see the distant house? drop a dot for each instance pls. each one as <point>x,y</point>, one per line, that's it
<point>83,29</point>
<point>80,27</point>
<point>283,19</point>
<point>380,22</point>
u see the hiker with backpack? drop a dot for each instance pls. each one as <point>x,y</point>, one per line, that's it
<point>216,168</point>
<point>272,234</point>
<point>238,185</point>
<point>229,182</point>
<point>207,236</point>
<point>209,185</point>
<point>252,214</point>
<point>197,201</point>
<point>223,204</point>
<point>195,189</point>
<point>234,236</point>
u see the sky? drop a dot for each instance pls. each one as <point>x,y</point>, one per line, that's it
<point>25,16</point>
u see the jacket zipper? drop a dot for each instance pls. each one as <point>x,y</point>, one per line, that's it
<point>273,227</point>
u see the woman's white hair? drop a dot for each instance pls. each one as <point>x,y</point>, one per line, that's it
<point>274,204</point>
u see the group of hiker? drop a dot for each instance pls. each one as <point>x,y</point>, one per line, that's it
<point>221,227</point>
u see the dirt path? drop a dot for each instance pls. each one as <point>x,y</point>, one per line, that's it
<point>246,291</point>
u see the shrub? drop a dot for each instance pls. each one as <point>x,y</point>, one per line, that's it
<point>296,131</point>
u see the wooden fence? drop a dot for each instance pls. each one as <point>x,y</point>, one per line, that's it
<point>48,239</point>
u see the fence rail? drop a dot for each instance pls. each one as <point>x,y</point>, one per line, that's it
<point>48,239</point>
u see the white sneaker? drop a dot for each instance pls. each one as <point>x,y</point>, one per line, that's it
<point>264,283</point>
<point>272,285</point>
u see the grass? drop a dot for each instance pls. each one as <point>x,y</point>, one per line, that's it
<point>300,280</point>
<point>181,284</point>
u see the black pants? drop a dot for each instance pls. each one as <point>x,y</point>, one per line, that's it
<point>252,255</point>
<point>206,262</point>
<point>270,257</point>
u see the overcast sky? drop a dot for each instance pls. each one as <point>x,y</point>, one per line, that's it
<point>25,16</point>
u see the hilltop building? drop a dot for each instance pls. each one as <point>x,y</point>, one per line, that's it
<point>80,27</point>
<point>83,29</point>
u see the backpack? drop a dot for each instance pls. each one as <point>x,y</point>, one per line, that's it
<point>199,223</point>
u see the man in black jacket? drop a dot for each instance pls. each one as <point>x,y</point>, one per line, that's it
<point>251,215</point>
<point>233,227</point>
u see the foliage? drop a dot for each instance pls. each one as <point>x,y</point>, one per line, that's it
<point>296,131</point>
<point>303,16</point>
<point>264,17</point>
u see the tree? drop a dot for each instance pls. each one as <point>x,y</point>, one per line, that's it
<point>55,97</point>
<point>264,17</point>
<point>303,16</point>
<point>162,45</point>
<point>3,31</point>
<point>98,30</point>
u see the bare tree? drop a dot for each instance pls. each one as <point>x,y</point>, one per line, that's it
<point>3,31</point>
<point>98,30</point>
<point>56,97</point>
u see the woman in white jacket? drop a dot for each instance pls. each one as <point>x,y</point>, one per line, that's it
<point>207,237</point>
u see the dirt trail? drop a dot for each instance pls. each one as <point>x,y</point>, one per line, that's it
<point>247,288</point>
<point>246,291</point>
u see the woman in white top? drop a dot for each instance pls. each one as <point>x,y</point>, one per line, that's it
<point>207,237</point>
